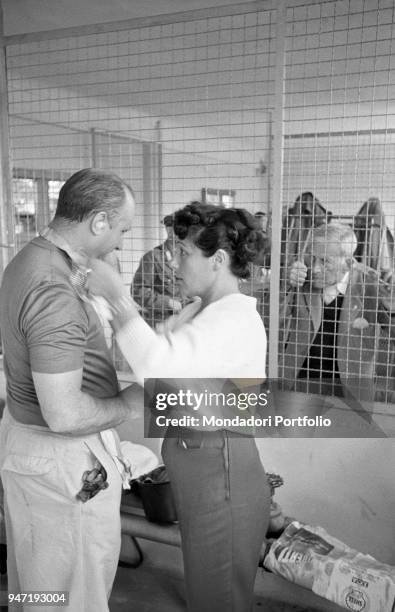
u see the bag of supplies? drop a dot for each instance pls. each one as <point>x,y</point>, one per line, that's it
<point>312,558</point>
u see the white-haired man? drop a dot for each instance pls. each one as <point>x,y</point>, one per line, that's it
<point>335,313</point>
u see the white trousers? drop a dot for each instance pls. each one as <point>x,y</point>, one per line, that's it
<point>56,542</point>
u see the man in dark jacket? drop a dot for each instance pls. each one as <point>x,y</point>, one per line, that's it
<point>335,313</point>
<point>154,285</point>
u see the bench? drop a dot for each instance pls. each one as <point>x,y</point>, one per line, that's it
<point>135,525</point>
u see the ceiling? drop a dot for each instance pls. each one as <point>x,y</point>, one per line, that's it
<point>26,16</point>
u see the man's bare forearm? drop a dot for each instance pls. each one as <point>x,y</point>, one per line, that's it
<point>82,414</point>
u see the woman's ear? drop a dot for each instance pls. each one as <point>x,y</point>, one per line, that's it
<point>99,223</point>
<point>220,257</point>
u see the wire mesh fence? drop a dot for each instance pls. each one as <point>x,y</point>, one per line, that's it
<point>337,331</point>
<point>186,111</point>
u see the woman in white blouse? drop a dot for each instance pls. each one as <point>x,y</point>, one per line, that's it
<point>220,489</point>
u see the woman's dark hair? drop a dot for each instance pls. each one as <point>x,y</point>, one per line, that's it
<point>234,230</point>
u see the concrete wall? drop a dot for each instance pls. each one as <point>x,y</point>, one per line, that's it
<point>345,485</point>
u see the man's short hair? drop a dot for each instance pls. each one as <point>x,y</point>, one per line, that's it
<point>339,234</point>
<point>89,191</point>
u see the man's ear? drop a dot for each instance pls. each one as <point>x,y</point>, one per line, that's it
<point>99,223</point>
<point>220,257</point>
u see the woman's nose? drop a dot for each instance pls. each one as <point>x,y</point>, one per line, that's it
<point>173,263</point>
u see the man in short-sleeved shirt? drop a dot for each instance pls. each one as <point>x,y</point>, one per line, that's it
<point>62,392</point>
<point>47,329</point>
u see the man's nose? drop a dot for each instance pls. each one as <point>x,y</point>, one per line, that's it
<point>317,267</point>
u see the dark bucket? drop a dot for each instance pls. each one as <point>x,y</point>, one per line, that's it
<point>157,497</point>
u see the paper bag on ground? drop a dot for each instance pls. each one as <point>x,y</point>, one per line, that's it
<point>309,556</point>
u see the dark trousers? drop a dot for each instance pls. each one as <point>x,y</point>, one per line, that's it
<point>223,501</point>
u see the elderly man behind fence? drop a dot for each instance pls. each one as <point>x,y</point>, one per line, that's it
<point>62,392</point>
<point>334,313</point>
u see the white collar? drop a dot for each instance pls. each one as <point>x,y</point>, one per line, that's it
<point>330,293</point>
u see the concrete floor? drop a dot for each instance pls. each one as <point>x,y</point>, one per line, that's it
<point>157,586</point>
